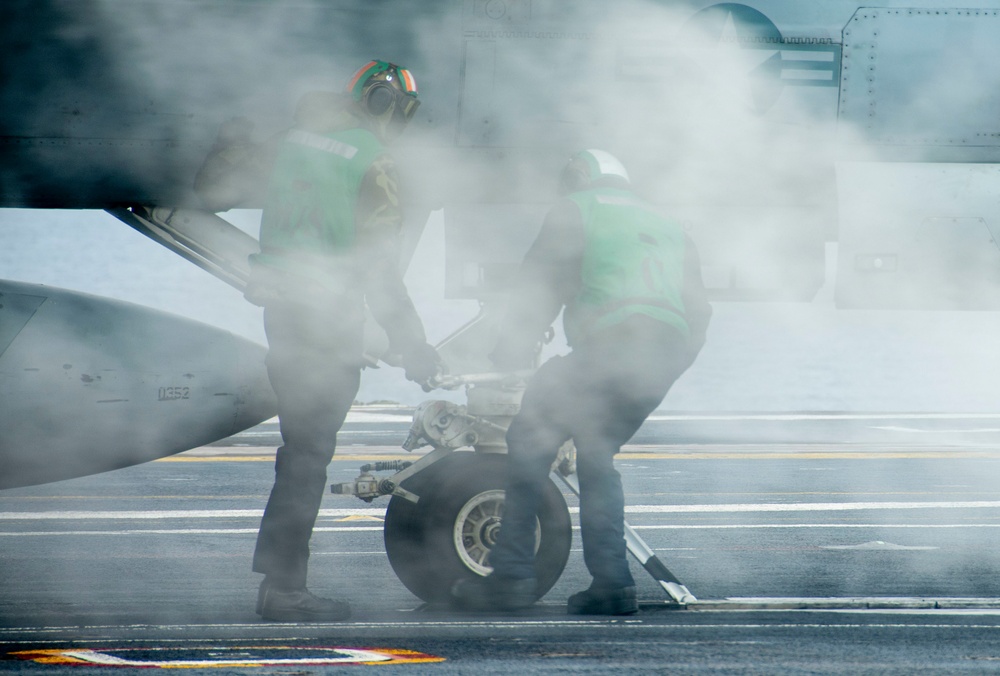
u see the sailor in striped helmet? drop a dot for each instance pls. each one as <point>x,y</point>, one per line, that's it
<point>386,96</point>
<point>635,313</point>
<point>329,245</point>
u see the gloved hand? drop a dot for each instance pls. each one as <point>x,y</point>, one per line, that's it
<point>421,363</point>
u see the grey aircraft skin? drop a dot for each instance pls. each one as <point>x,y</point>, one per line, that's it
<point>762,125</point>
<point>123,384</point>
<point>769,128</point>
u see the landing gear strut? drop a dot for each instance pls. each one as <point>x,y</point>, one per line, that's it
<point>447,507</point>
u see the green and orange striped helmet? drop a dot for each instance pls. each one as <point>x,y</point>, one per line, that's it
<point>386,94</point>
<point>381,71</point>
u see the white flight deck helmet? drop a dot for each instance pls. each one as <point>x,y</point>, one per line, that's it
<point>589,168</point>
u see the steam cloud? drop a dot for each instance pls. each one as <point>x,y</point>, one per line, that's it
<point>694,107</point>
<point>746,161</point>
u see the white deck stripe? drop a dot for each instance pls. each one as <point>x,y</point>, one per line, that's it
<point>808,507</point>
<point>378,529</point>
<point>631,509</point>
<point>964,606</point>
<point>824,416</point>
<point>173,514</point>
<point>181,531</point>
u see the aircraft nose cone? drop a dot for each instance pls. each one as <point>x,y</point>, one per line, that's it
<point>89,384</point>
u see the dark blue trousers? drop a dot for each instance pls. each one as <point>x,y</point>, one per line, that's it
<point>598,396</point>
<point>313,363</point>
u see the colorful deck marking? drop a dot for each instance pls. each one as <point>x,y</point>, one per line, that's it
<point>225,657</point>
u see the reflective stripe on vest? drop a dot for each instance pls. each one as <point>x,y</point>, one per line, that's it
<point>308,222</point>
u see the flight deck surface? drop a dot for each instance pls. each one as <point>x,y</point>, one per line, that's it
<point>813,543</point>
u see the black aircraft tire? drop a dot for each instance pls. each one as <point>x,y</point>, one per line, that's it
<point>446,536</point>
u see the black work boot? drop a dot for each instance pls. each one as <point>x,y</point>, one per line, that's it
<point>494,593</point>
<point>603,601</point>
<point>298,605</point>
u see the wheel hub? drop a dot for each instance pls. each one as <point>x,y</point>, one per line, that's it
<point>476,529</point>
<point>489,530</point>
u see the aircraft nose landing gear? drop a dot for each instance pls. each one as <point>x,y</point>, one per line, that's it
<point>446,508</point>
<point>448,533</point>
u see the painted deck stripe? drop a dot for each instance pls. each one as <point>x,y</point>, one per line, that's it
<point>366,415</point>
<point>847,453</point>
<point>378,529</point>
<point>180,531</point>
<point>630,509</point>
<point>964,606</point>
<point>824,416</point>
<point>753,526</point>
<point>807,507</point>
<point>173,514</point>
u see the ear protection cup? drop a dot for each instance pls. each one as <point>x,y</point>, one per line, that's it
<point>575,177</point>
<point>379,99</point>
<point>589,167</point>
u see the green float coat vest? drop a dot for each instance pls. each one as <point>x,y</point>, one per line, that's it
<point>308,222</point>
<point>633,264</point>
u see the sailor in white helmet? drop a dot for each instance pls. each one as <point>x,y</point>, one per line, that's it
<point>635,313</point>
